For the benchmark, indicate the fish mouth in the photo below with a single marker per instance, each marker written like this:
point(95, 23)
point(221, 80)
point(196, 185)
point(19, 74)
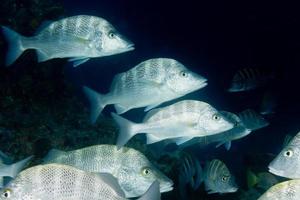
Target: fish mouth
point(231, 190)
point(166, 187)
point(276, 172)
point(130, 47)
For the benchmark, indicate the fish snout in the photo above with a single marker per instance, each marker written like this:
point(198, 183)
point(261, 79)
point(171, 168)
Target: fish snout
point(165, 184)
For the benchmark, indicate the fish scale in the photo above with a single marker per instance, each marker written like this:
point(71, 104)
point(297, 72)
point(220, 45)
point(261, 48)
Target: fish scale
point(78, 38)
point(125, 164)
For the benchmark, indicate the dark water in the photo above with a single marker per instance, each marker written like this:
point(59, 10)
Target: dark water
point(212, 38)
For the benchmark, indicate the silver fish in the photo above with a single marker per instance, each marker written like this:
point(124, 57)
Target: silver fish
point(288, 190)
point(224, 138)
point(250, 78)
point(133, 170)
point(148, 84)
point(287, 162)
point(79, 37)
point(218, 179)
point(62, 182)
point(185, 119)
point(10, 169)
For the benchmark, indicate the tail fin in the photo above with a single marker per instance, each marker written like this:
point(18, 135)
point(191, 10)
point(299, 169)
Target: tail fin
point(96, 103)
point(126, 129)
point(52, 155)
point(15, 48)
point(13, 169)
point(152, 193)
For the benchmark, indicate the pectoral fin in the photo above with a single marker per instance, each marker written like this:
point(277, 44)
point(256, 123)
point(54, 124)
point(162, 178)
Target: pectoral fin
point(78, 61)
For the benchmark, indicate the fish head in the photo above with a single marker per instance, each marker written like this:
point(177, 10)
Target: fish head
point(225, 182)
point(287, 164)
point(15, 189)
point(212, 121)
point(138, 173)
point(112, 42)
point(182, 80)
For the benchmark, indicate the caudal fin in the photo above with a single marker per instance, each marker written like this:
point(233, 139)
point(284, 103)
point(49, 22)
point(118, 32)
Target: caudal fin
point(13, 169)
point(126, 129)
point(96, 103)
point(152, 193)
point(15, 48)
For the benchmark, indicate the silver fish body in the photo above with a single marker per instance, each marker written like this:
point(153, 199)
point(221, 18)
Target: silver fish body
point(78, 37)
point(287, 162)
point(132, 169)
point(185, 119)
point(62, 182)
point(288, 190)
point(224, 138)
point(148, 84)
point(218, 179)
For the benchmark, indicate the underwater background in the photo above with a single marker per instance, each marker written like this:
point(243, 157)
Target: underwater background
point(42, 105)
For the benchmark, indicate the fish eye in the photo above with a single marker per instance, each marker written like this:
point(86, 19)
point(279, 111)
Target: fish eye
point(224, 178)
point(111, 35)
point(146, 171)
point(6, 193)
point(183, 74)
point(288, 153)
point(216, 117)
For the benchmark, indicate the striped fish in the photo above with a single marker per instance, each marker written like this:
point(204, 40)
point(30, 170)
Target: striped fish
point(218, 179)
point(62, 182)
point(252, 120)
point(182, 120)
point(249, 78)
point(150, 84)
point(133, 170)
point(78, 38)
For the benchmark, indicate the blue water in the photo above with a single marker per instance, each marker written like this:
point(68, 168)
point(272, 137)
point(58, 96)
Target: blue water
point(212, 38)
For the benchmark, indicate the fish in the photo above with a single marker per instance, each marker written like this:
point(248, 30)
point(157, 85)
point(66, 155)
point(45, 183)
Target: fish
point(149, 84)
point(250, 78)
point(287, 162)
point(287, 190)
point(63, 182)
point(10, 169)
point(182, 120)
point(253, 120)
point(263, 180)
point(78, 38)
point(190, 173)
point(134, 172)
point(218, 179)
point(224, 138)
point(269, 103)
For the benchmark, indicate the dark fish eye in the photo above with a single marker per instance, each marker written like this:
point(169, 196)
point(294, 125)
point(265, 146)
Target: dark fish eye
point(111, 35)
point(6, 193)
point(146, 171)
point(288, 153)
point(216, 117)
point(224, 178)
point(183, 74)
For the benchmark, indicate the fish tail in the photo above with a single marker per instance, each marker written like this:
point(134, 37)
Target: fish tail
point(152, 193)
point(13, 169)
point(15, 47)
point(97, 103)
point(127, 129)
